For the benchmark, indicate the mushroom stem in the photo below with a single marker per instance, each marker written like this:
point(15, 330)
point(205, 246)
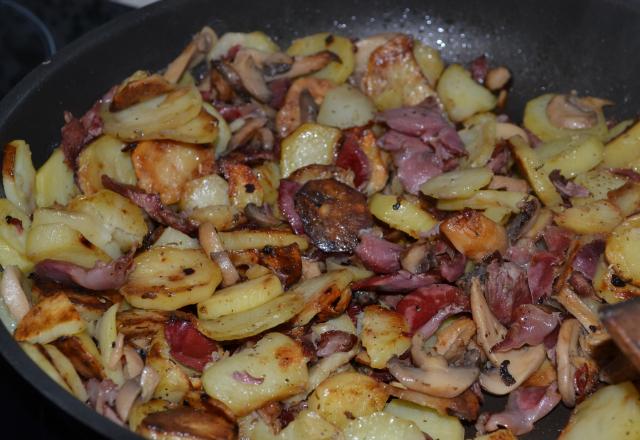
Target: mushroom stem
point(213, 247)
point(578, 308)
point(566, 348)
point(195, 51)
point(438, 379)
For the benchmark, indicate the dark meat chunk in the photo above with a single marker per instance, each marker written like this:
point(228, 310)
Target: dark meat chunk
point(285, 261)
point(332, 214)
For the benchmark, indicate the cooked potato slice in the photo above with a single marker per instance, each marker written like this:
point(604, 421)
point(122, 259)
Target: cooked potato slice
point(186, 423)
point(626, 198)
point(611, 412)
point(475, 235)
point(393, 77)
point(346, 395)
point(203, 129)
point(268, 174)
point(336, 71)
point(54, 182)
point(83, 354)
point(244, 186)
point(479, 137)
point(274, 369)
point(19, 176)
point(486, 199)
point(106, 334)
point(164, 167)
point(402, 214)
point(224, 132)
point(385, 334)
point(104, 156)
point(345, 107)
point(175, 238)
point(308, 144)
point(427, 419)
point(605, 289)
point(51, 318)
point(67, 372)
point(241, 297)
point(14, 228)
point(33, 351)
point(537, 121)
point(600, 216)
point(461, 95)
point(252, 40)
point(241, 240)
point(211, 190)
point(145, 119)
point(323, 293)
point(253, 321)
point(622, 250)
point(174, 382)
point(580, 155)
point(530, 164)
point(624, 150)
point(457, 184)
point(221, 216)
point(311, 426)
point(500, 434)
point(123, 219)
point(600, 182)
point(429, 60)
point(382, 425)
point(140, 410)
point(168, 278)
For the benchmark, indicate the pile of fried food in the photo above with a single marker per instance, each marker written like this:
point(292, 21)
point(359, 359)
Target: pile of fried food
point(344, 240)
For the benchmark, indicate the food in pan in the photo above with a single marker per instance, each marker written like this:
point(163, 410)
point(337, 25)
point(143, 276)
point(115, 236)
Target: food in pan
point(347, 239)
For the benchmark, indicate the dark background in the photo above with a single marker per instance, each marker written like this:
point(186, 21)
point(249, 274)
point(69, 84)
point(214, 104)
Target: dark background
point(24, 412)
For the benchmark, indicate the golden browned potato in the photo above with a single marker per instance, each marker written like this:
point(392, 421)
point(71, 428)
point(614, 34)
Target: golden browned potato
point(385, 334)
point(288, 117)
point(138, 88)
point(48, 320)
point(475, 235)
point(622, 250)
point(164, 167)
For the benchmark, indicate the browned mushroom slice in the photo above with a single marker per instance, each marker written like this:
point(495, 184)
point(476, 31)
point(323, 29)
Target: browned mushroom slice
point(288, 117)
point(251, 76)
point(187, 424)
point(569, 111)
point(285, 261)
point(306, 65)
point(332, 214)
point(139, 90)
point(195, 52)
point(316, 171)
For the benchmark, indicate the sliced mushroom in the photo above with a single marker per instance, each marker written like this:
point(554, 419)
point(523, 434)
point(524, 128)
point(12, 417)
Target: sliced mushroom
point(435, 377)
point(251, 76)
point(246, 132)
point(452, 341)
point(574, 305)
point(305, 65)
point(566, 348)
point(414, 258)
point(13, 294)
point(364, 49)
point(506, 130)
point(465, 406)
point(188, 424)
point(497, 78)
point(191, 55)
point(511, 368)
point(288, 117)
point(571, 112)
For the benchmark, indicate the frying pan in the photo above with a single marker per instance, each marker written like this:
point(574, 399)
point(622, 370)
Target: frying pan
point(550, 45)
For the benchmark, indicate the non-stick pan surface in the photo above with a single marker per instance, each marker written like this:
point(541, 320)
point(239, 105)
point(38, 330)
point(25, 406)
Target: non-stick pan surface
point(550, 45)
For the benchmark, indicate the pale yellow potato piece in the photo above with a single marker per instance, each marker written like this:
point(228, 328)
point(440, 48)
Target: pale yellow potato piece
point(346, 395)
point(536, 120)
point(427, 419)
point(252, 40)
point(530, 164)
point(612, 412)
point(385, 334)
point(461, 95)
point(599, 182)
point(277, 362)
point(310, 426)
point(104, 156)
point(336, 71)
point(205, 191)
point(626, 198)
point(479, 138)
point(268, 174)
point(41, 361)
point(241, 240)
point(106, 334)
point(202, 129)
point(244, 186)
point(624, 150)
point(622, 250)
point(174, 382)
point(604, 287)
point(51, 318)
point(221, 216)
point(382, 425)
point(429, 60)
point(168, 278)
point(13, 237)
point(461, 183)
point(345, 107)
point(598, 217)
point(319, 292)
point(241, 297)
point(253, 321)
point(19, 176)
point(175, 238)
point(577, 158)
point(55, 182)
point(401, 214)
point(224, 132)
point(67, 372)
point(498, 214)
point(308, 144)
